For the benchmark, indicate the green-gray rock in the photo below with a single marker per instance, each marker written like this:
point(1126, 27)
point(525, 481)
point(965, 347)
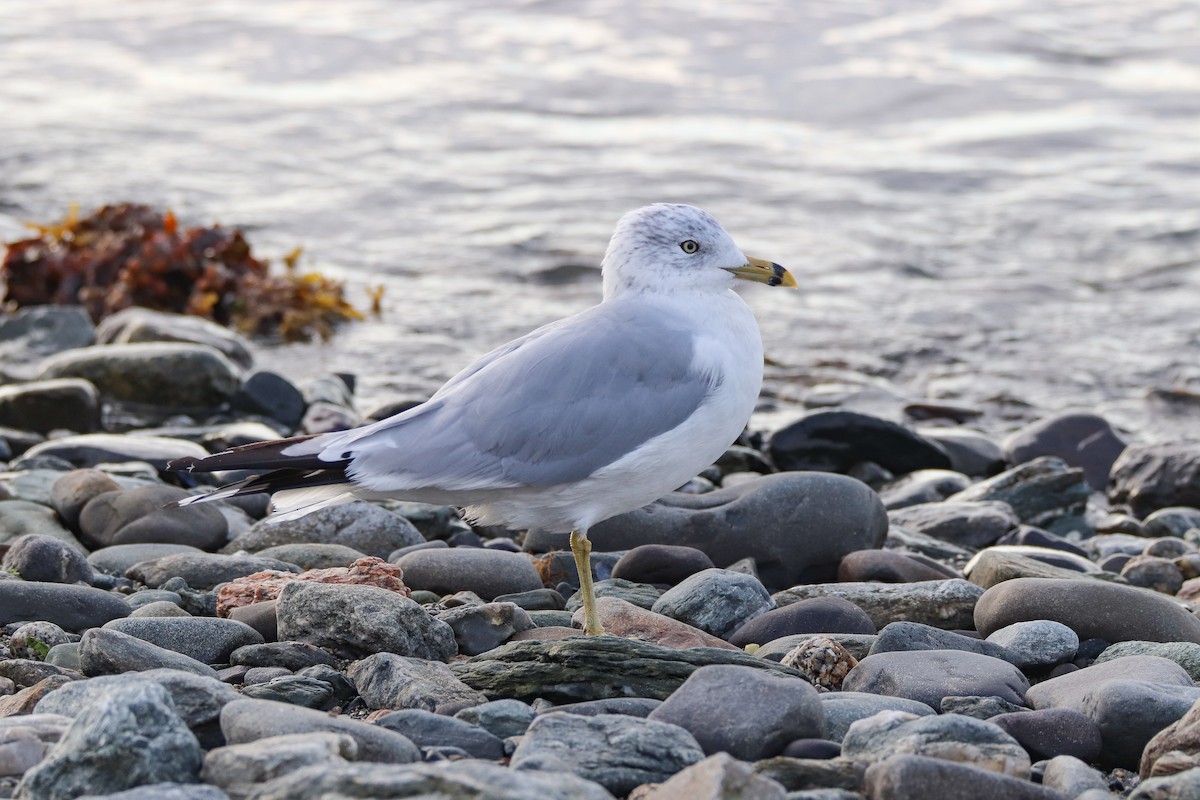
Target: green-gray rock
point(593, 668)
point(1185, 654)
point(185, 376)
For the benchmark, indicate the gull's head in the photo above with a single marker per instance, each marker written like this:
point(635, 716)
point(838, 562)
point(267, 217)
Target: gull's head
point(677, 248)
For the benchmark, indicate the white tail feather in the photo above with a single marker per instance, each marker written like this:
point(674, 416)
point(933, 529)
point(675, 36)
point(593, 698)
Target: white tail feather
point(291, 504)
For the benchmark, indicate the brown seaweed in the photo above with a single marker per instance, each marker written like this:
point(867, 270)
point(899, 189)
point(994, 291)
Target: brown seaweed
point(134, 255)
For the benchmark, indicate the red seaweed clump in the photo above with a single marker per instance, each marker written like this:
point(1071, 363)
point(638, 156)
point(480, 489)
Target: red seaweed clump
point(133, 255)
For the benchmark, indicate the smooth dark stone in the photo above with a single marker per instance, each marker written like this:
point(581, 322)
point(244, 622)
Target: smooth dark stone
point(108, 652)
point(89, 449)
point(1093, 609)
point(208, 640)
point(812, 748)
point(795, 525)
point(37, 557)
point(72, 607)
point(137, 324)
point(1036, 537)
point(1081, 440)
point(927, 676)
point(661, 563)
point(818, 615)
point(834, 441)
point(427, 729)
point(184, 377)
point(1053, 732)
point(890, 566)
point(267, 393)
point(294, 656)
point(909, 636)
point(135, 516)
point(535, 600)
point(44, 406)
point(968, 524)
point(1153, 476)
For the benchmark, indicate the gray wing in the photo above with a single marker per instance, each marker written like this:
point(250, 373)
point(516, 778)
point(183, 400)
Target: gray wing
point(551, 408)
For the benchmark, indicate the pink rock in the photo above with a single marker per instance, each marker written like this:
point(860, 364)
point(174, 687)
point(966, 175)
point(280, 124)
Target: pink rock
point(266, 585)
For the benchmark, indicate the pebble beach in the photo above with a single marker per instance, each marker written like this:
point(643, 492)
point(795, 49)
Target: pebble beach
point(843, 607)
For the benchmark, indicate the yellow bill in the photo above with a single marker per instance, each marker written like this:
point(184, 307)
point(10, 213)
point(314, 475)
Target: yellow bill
point(760, 271)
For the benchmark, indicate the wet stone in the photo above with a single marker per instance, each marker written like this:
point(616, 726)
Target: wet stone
point(1086, 441)
point(45, 406)
point(834, 441)
point(178, 376)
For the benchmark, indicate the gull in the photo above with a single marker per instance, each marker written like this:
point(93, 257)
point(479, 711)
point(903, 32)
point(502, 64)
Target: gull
point(585, 418)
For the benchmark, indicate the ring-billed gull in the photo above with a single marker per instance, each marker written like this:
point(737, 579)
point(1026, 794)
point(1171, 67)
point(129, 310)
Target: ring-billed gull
point(583, 419)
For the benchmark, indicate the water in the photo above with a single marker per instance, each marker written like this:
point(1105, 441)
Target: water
point(987, 203)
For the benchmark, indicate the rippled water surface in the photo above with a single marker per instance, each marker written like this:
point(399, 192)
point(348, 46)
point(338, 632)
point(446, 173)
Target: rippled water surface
point(988, 203)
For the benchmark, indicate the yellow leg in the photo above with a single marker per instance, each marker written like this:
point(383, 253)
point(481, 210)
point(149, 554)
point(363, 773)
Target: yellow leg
point(581, 548)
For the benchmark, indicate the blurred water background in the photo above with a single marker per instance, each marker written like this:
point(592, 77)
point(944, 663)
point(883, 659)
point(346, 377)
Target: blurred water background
point(988, 203)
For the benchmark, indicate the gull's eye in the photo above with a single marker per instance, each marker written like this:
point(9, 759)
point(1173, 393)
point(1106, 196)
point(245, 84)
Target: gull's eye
point(689, 246)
